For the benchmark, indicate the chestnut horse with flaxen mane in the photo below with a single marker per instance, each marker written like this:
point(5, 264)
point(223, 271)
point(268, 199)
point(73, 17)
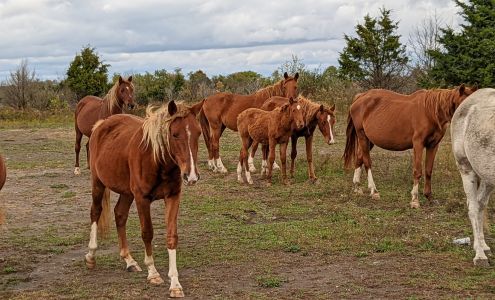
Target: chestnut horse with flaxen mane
point(314, 115)
point(220, 111)
point(399, 122)
point(90, 109)
point(269, 128)
point(154, 157)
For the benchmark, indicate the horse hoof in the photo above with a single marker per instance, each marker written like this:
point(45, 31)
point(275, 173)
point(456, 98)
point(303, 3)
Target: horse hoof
point(268, 184)
point(314, 180)
point(276, 167)
point(286, 182)
point(415, 204)
point(488, 252)
point(375, 196)
point(90, 262)
point(157, 280)
point(77, 171)
point(481, 262)
point(250, 182)
point(222, 171)
point(176, 293)
point(252, 169)
point(133, 268)
point(358, 191)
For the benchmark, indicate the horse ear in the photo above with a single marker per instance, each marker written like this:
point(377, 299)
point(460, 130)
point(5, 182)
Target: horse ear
point(332, 108)
point(291, 100)
point(322, 108)
point(296, 76)
point(462, 88)
point(172, 108)
point(130, 78)
point(197, 107)
point(286, 75)
point(120, 79)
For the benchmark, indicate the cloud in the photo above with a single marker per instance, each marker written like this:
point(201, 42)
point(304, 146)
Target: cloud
point(216, 36)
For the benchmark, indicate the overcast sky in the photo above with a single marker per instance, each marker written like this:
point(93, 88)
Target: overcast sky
point(218, 37)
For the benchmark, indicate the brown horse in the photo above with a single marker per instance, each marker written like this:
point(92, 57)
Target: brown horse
point(143, 160)
point(314, 115)
point(220, 111)
point(269, 128)
point(3, 172)
point(399, 122)
point(90, 109)
point(3, 176)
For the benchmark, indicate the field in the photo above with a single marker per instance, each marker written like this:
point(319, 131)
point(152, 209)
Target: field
point(236, 241)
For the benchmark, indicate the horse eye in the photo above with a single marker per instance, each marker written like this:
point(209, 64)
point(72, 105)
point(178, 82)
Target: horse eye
point(175, 135)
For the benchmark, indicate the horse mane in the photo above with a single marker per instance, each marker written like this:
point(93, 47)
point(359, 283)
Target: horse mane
point(309, 108)
point(156, 128)
point(439, 101)
point(271, 90)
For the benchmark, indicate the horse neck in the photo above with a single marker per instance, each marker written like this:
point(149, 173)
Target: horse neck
point(285, 123)
point(262, 95)
point(440, 106)
point(107, 111)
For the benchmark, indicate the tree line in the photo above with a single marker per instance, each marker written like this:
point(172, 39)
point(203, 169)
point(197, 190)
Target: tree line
point(374, 57)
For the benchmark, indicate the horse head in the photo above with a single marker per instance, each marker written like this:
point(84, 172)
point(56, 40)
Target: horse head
point(125, 93)
point(183, 141)
point(295, 112)
point(326, 121)
point(461, 93)
point(289, 86)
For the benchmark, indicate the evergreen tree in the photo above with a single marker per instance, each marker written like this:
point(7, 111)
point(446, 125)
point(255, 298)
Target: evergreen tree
point(468, 56)
point(87, 74)
point(375, 58)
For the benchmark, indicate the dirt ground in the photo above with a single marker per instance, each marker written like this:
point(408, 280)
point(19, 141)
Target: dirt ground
point(236, 241)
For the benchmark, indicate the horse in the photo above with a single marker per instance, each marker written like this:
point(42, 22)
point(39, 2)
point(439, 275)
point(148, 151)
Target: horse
point(3, 172)
point(90, 109)
point(3, 177)
point(220, 111)
point(269, 128)
point(399, 122)
point(473, 144)
point(314, 115)
point(143, 160)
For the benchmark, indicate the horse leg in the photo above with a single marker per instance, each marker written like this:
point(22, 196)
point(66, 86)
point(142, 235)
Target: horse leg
point(143, 208)
point(98, 189)
point(283, 160)
point(430, 157)
point(364, 144)
point(172, 210)
point(271, 159)
point(484, 192)
point(309, 158)
point(417, 159)
point(87, 153)
point(293, 154)
point(264, 164)
point(216, 134)
point(254, 147)
point(358, 169)
point(245, 154)
point(77, 149)
point(214, 140)
point(121, 211)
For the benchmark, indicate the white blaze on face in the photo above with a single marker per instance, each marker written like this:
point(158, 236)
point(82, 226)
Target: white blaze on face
point(330, 130)
point(298, 107)
point(192, 176)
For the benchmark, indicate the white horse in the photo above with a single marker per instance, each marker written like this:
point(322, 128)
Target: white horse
point(473, 143)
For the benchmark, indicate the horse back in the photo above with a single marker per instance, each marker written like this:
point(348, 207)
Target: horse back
point(274, 102)
point(88, 113)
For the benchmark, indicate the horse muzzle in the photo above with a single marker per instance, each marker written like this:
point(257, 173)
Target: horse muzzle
point(131, 105)
point(190, 179)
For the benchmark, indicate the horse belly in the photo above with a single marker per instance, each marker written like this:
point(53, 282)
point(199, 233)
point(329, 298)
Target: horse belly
point(87, 117)
point(393, 138)
point(258, 133)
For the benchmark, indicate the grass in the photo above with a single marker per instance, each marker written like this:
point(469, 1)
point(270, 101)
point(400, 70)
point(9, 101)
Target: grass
point(238, 241)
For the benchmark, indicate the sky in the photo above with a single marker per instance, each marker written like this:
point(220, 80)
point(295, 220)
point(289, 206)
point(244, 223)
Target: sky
point(218, 37)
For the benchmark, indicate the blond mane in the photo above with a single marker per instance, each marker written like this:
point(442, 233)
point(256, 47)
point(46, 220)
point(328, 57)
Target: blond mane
point(156, 128)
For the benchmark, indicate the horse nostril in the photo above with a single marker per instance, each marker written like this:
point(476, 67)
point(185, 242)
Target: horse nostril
point(184, 176)
point(130, 106)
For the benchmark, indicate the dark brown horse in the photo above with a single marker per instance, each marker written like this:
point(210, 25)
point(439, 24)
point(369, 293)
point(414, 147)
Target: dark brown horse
point(3, 176)
point(314, 115)
point(269, 128)
point(399, 122)
point(90, 109)
point(220, 111)
point(143, 160)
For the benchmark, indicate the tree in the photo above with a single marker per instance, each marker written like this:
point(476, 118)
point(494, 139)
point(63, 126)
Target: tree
point(87, 74)
point(20, 86)
point(467, 56)
point(375, 58)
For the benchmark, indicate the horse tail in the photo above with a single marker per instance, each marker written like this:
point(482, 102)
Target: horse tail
point(205, 127)
point(351, 142)
point(104, 221)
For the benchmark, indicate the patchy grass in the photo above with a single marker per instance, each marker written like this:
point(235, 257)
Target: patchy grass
point(243, 242)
